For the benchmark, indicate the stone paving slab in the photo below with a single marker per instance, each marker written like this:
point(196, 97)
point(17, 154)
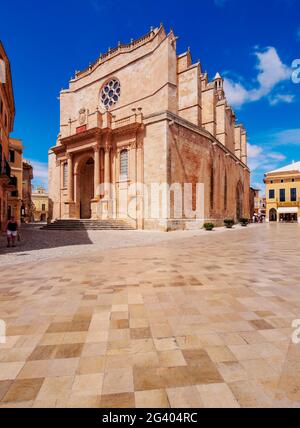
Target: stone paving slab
point(198, 322)
point(37, 244)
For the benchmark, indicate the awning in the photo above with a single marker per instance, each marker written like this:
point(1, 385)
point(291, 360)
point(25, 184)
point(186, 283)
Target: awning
point(288, 210)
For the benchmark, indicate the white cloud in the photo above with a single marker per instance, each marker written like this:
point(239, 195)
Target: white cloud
point(235, 92)
point(276, 99)
point(261, 161)
point(284, 138)
point(254, 151)
point(40, 172)
point(271, 72)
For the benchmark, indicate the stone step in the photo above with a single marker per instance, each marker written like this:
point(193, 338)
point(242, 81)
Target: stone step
point(84, 225)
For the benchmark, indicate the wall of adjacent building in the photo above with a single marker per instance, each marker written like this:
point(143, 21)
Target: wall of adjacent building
point(15, 199)
point(7, 114)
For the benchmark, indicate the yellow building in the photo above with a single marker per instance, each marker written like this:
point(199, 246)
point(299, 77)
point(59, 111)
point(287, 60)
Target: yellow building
point(283, 193)
point(40, 204)
point(15, 162)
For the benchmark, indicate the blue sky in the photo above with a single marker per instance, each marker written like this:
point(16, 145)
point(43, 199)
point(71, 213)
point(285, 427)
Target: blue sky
point(251, 43)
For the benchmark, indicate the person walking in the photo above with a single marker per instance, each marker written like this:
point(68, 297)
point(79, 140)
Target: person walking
point(12, 230)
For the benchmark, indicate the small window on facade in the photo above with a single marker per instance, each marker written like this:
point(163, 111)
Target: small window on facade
point(12, 156)
point(43, 207)
point(281, 181)
point(271, 181)
point(282, 195)
point(293, 195)
point(65, 174)
point(124, 165)
point(293, 180)
point(272, 194)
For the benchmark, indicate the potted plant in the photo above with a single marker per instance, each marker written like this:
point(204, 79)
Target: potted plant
point(229, 222)
point(244, 222)
point(209, 226)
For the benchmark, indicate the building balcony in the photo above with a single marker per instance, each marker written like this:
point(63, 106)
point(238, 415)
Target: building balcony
point(5, 172)
point(287, 204)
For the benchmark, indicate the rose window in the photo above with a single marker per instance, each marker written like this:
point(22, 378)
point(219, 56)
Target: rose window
point(110, 93)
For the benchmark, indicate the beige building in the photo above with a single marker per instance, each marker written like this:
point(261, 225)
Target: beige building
point(40, 204)
point(27, 206)
point(283, 194)
point(16, 165)
point(143, 118)
point(257, 205)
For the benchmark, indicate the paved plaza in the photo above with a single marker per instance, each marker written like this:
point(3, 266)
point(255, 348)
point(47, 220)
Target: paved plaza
point(195, 319)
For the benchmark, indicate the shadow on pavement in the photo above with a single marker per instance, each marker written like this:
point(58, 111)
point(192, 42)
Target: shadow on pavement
point(33, 238)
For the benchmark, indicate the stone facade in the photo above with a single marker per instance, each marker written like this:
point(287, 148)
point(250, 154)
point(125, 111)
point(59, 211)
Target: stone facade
point(142, 116)
point(7, 116)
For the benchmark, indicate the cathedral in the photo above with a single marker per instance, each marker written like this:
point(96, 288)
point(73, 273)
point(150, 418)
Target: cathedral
point(139, 128)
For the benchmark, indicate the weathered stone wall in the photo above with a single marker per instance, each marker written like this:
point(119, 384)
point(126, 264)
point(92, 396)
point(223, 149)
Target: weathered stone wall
point(192, 159)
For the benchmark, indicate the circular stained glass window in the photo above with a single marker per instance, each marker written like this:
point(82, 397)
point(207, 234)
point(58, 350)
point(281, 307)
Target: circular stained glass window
point(110, 93)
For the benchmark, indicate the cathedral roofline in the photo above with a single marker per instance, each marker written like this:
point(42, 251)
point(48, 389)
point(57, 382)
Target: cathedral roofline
point(122, 48)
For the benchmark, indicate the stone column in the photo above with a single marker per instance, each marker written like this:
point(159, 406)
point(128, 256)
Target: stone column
point(102, 170)
point(96, 172)
point(107, 173)
point(140, 180)
point(70, 178)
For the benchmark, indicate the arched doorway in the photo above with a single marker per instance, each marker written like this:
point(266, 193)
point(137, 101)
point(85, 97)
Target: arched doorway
point(86, 188)
point(273, 215)
point(239, 201)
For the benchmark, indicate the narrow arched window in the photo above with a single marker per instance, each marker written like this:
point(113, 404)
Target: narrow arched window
point(225, 192)
point(212, 187)
point(65, 175)
point(124, 165)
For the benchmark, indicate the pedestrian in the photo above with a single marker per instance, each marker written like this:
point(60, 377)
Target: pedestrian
point(12, 230)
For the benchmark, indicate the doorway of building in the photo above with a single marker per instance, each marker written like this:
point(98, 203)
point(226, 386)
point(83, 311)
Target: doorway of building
point(273, 215)
point(86, 189)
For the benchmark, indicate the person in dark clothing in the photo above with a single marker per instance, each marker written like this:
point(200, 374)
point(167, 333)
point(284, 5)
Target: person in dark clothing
point(11, 232)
